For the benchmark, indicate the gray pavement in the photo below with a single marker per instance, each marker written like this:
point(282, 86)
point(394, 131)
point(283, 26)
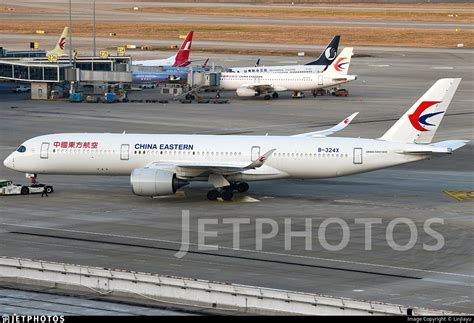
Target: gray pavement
point(97, 221)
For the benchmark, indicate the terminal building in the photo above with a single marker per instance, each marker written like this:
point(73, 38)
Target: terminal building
point(96, 76)
point(44, 75)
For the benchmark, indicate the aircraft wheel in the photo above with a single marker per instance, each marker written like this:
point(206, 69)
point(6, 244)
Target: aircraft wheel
point(243, 187)
point(267, 97)
point(227, 195)
point(212, 195)
point(275, 95)
point(24, 190)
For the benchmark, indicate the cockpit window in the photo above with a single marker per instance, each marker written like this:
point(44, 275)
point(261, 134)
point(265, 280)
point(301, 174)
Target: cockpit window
point(21, 149)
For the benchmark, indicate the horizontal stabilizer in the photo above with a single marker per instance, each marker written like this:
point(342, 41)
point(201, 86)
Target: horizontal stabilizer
point(451, 144)
point(443, 147)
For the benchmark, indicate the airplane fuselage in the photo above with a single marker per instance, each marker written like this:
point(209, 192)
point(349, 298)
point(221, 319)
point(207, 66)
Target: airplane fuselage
point(280, 69)
point(283, 81)
point(294, 157)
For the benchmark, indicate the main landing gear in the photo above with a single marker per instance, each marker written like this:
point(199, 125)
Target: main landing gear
point(227, 192)
point(269, 96)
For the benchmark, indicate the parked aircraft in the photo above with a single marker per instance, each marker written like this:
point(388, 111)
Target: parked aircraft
point(269, 83)
point(159, 164)
point(166, 73)
point(180, 59)
point(319, 65)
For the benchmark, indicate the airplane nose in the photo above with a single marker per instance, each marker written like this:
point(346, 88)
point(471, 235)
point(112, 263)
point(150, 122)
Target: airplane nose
point(8, 162)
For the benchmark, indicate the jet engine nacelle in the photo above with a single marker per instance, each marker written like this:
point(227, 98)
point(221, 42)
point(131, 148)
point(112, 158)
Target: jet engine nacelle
point(154, 182)
point(243, 91)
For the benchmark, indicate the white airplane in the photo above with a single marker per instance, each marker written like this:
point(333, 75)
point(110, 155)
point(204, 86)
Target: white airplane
point(320, 64)
point(269, 83)
point(180, 59)
point(58, 50)
point(159, 164)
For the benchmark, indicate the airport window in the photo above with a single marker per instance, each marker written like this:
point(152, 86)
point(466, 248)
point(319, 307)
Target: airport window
point(36, 73)
point(84, 66)
point(6, 70)
point(21, 72)
point(102, 66)
point(50, 73)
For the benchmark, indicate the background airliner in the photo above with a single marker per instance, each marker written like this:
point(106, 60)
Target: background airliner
point(159, 164)
point(167, 73)
point(58, 50)
point(181, 58)
point(319, 65)
point(269, 83)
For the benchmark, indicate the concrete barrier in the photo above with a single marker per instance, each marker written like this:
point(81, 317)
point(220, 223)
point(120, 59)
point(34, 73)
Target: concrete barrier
point(192, 292)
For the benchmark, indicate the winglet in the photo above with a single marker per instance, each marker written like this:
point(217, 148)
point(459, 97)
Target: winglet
point(323, 133)
point(261, 160)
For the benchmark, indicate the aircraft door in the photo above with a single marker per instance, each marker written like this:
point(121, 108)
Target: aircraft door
point(255, 153)
point(320, 79)
point(124, 152)
point(44, 150)
point(357, 155)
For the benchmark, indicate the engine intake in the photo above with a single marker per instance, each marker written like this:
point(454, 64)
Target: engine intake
point(154, 182)
point(246, 92)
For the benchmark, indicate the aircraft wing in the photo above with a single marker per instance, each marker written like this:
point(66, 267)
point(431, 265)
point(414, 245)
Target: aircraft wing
point(327, 132)
point(190, 169)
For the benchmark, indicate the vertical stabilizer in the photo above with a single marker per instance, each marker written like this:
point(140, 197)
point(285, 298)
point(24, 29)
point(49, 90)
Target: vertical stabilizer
point(420, 122)
point(341, 64)
point(58, 50)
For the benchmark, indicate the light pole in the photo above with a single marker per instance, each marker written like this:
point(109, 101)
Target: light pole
point(70, 34)
point(94, 31)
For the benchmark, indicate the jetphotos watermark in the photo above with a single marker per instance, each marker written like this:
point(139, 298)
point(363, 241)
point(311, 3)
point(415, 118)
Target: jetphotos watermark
point(15, 318)
point(324, 233)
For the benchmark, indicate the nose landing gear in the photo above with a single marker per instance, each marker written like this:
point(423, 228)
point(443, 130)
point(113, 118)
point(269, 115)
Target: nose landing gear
point(32, 177)
point(227, 193)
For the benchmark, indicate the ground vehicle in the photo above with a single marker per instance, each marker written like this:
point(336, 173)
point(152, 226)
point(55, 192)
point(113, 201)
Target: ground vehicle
point(8, 188)
point(22, 88)
point(147, 86)
point(340, 92)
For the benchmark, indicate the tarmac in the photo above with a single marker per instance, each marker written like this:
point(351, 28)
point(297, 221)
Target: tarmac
point(97, 221)
point(121, 11)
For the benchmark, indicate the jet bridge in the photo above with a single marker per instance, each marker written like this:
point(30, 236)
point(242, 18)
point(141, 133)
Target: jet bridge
point(31, 71)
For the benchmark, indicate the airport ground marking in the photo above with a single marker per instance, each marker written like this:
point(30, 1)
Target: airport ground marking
point(462, 196)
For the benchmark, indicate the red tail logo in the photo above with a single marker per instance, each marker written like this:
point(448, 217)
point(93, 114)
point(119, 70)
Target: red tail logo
point(61, 43)
point(416, 119)
point(182, 57)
